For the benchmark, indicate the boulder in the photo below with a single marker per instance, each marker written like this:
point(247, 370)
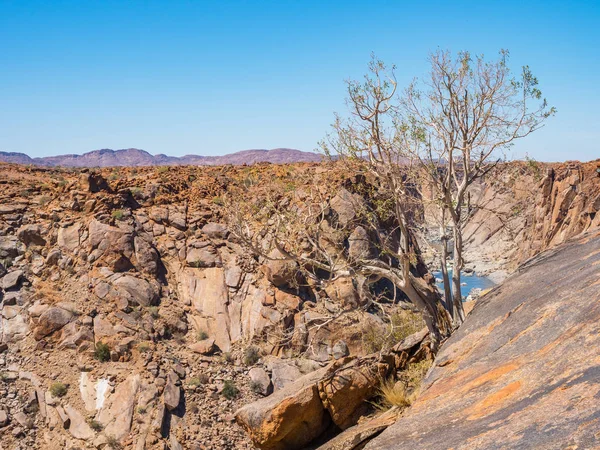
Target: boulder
point(261, 382)
point(289, 418)
point(340, 350)
point(117, 412)
point(12, 280)
point(202, 254)
point(140, 291)
point(51, 320)
point(279, 270)
point(284, 373)
point(146, 256)
point(204, 347)
point(359, 244)
point(31, 234)
point(352, 381)
point(172, 392)
point(3, 418)
point(68, 237)
point(78, 428)
point(215, 230)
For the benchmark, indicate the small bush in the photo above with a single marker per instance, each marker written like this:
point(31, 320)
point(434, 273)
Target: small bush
point(153, 310)
point(251, 355)
point(230, 391)
point(58, 389)
point(141, 410)
point(200, 379)
point(117, 214)
point(102, 352)
point(202, 335)
point(256, 387)
point(228, 358)
point(402, 324)
point(218, 201)
point(163, 169)
point(113, 443)
point(144, 347)
point(393, 393)
point(193, 408)
point(95, 425)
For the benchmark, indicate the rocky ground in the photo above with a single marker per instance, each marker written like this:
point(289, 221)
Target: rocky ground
point(133, 318)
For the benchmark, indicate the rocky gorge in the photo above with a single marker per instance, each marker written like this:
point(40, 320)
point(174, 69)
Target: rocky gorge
point(134, 317)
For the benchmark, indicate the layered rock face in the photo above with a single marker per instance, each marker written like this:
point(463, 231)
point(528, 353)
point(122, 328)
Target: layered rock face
point(524, 369)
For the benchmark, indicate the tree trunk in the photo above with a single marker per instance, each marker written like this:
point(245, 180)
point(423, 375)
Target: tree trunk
point(427, 299)
point(459, 312)
point(447, 287)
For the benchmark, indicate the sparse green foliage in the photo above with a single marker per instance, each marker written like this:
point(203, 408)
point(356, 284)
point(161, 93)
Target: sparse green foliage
point(95, 425)
point(251, 355)
point(256, 387)
point(102, 352)
point(401, 325)
point(230, 391)
point(118, 214)
point(58, 389)
point(153, 310)
point(141, 410)
point(113, 443)
point(217, 200)
point(202, 335)
point(228, 358)
point(144, 347)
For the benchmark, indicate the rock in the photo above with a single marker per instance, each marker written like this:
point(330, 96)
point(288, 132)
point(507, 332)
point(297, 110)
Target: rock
point(287, 419)
point(63, 416)
point(205, 289)
point(68, 237)
point(260, 380)
point(94, 182)
point(355, 437)
point(279, 270)
point(140, 291)
point(51, 320)
point(3, 418)
point(31, 234)
point(204, 347)
point(353, 381)
point(342, 291)
point(524, 361)
point(215, 230)
point(340, 350)
point(78, 428)
point(346, 206)
point(204, 256)
point(359, 244)
point(12, 279)
point(146, 256)
point(117, 412)
point(172, 392)
point(22, 419)
point(284, 373)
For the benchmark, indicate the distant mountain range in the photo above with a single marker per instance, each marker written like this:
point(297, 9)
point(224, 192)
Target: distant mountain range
point(136, 157)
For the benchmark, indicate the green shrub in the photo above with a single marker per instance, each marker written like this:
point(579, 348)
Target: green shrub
point(144, 347)
point(202, 335)
point(58, 389)
point(141, 410)
point(95, 425)
point(102, 352)
point(230, 391)
point(251, 355)
point(256, 387)
point(153, 310)
point(118, 214)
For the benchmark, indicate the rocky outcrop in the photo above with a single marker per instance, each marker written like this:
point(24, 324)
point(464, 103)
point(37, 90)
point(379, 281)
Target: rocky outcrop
point(524, 361)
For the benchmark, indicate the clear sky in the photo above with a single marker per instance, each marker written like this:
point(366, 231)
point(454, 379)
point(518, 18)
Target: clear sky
point(213, 77)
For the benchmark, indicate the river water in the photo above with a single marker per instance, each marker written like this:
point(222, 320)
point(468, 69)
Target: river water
point(469, 282)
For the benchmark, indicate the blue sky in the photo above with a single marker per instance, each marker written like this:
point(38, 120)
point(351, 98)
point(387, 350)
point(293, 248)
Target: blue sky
point(213, 77)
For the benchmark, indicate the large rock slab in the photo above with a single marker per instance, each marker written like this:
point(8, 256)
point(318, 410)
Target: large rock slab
point(117, 412)
point(288, 419)
point(524, 369)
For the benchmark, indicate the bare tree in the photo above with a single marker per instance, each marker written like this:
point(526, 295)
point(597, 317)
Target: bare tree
point(372, 139)
point(462, 119)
